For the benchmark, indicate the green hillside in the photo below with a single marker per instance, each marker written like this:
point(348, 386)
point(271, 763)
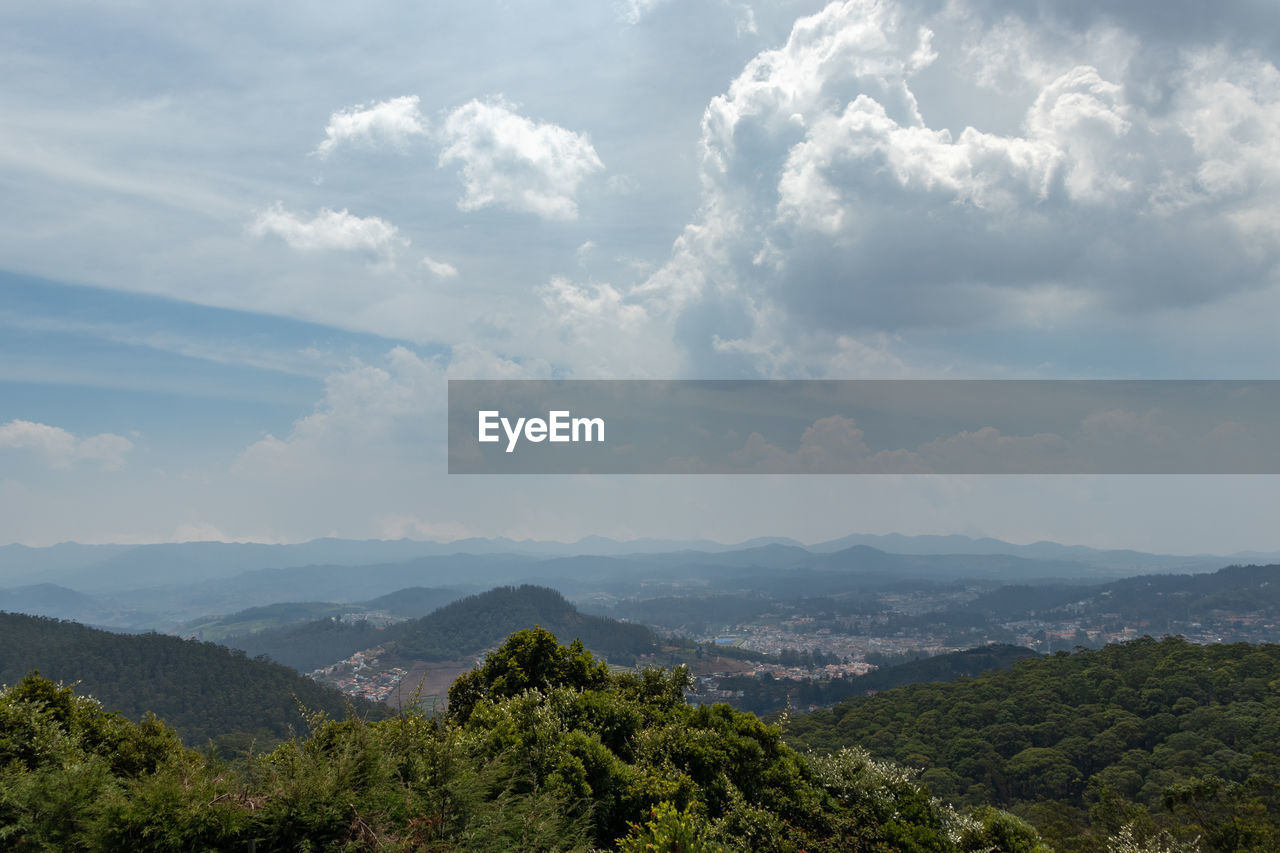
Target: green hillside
point(1166, 735)
point(204, 690)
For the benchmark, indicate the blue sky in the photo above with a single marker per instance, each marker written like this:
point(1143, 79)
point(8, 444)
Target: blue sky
point(243, 246)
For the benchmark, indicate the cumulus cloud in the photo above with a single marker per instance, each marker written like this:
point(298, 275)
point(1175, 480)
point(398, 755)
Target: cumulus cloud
point(376, 421)
point(330, 230)
point(507, 160)
point(394, 123)
point(602, 331)
point(61, 449)
point(840, 202)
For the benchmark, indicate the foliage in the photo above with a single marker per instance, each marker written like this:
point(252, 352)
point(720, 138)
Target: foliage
point(1161, 736)
point(669, 830)
point(553, 753)
point(528, 660)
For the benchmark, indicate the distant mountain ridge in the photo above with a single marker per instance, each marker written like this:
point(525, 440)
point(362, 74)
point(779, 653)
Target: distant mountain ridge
point(166, 587)
point(90, 568)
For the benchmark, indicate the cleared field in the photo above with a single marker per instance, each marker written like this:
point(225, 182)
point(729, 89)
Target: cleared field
point(428, 684)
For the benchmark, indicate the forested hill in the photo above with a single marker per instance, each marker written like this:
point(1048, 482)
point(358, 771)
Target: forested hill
point(485, 620)
point(457, 630)
point(1166, 733)
point(203, 690)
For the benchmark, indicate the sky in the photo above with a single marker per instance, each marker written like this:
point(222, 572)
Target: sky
point(243, 246)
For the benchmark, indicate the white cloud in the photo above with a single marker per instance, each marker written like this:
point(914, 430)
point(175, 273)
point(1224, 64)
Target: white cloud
point(836, 207)
point(394, 123)
point(330, 230)
point(376, 421)
point(367, 411)
point(507, 160)
point(439, 269)
point(603, 332)
point(61, 449)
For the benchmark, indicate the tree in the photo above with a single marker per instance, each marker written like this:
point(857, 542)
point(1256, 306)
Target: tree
point(529, 660)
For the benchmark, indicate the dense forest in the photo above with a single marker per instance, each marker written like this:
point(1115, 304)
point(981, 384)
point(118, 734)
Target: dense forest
point(459, 629)
point(205, 691)
point(543, 749)
point(1157, 735)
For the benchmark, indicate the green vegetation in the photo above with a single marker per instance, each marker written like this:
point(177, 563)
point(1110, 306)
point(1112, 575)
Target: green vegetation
point(205, 691)
point(1149, 737)
point(544, 749)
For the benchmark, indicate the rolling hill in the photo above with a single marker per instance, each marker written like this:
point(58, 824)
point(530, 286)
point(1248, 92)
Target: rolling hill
point(204, 690)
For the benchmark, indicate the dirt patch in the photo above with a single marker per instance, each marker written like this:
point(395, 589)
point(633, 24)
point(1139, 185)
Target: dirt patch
point(430, 681)
point(716, 665)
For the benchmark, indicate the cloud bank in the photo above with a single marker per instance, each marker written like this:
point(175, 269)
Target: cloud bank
point(61, 449)
point(1135, 176)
